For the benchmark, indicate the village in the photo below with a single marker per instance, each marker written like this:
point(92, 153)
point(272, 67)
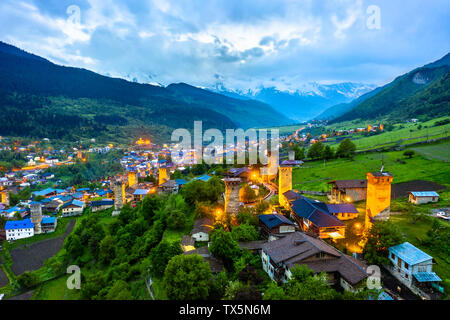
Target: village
point(294, 228)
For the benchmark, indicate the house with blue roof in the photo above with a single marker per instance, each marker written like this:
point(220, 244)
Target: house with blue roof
point(139, 194)
point(413, 267)
point(44, 193)
point(101, 205)
point(19, 229)
point(73, 208)
point(420, 197)
point(315, 217)
point(275, 226)
point(48, 224)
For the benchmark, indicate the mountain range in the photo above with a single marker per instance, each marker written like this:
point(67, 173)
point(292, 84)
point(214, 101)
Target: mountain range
point(42, 99)
point(304, 103)
point(422, 92)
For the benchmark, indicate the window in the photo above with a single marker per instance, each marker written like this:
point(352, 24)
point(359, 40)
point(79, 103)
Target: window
point(392, 256)
point(406, 265)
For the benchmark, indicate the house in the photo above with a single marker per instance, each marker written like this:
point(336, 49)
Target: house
point(275, 226)
point(19, 229)
point(45, 193)
point(420, 197)
point(73, 208)
point(48, 224)
point(140, 194)
point(215, 264)
point(348, 190)
point(314, 217)
point(280, 256)
point(187, 243)
point(170, 186)
point(101, 205)
point(204, 178)
point(414, 268)
point(202, 228)
point(343, 211)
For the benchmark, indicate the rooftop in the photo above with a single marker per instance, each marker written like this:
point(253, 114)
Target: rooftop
point(409, 253)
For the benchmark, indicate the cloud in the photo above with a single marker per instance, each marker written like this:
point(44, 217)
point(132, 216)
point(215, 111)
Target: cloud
point(242, 44)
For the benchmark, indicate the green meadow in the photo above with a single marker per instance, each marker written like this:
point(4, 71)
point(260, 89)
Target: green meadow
point(315, 175)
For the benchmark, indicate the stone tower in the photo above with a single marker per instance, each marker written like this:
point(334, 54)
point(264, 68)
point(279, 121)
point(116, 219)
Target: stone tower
point(284, 182)
point(119, 195)
point(232, 188)
point(36, 216)
point(5, 197)
point(132, 178)
point(378, 200)
point(163, 175)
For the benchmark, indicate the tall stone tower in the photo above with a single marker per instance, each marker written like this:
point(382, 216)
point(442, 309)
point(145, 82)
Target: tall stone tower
point(232, 188)
point(378, 202)
point(132, 178)
point(36, 216)
point(119, 195)
point(163, 175)
point(284, 182)
point(5, 196)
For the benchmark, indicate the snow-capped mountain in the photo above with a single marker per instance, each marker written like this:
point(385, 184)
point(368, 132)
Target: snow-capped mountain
point(303, 103)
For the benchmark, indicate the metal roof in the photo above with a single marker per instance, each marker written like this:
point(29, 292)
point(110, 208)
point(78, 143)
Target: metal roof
point(409, 253)
point(19, 224)
point(426, 276)
point(425, 194)
point(141, 192)
point(273, 220)
point(316, 212)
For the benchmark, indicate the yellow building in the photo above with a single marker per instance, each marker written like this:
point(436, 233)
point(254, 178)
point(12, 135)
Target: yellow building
point(284, 183)
point(163, 175)
point(132, 178)
point(378, 200)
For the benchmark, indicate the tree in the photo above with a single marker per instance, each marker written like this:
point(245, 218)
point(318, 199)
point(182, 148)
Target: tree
point(346, 149)
point(247, 215)
point(223, 245)
point(119, 291)
point(262, 207)
point(27, 279)
point(305, 285)
point(299, 152)
point(73, 246)
point(187, 277)
point(379, 239)
point(160, 256)
point(327, 153)
point(409, 153)
point(176, 220)
point(107, 250)
point(245, 232)
point(248, 194)
point(316, 150)
point(274, 292)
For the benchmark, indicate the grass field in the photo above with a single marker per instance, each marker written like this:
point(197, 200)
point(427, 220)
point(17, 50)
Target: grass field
point(315, 175)
point(410, 133)
point(438, 151)
point(56, 290)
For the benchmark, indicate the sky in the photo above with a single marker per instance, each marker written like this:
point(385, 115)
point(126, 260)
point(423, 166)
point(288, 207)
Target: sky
point(244, 44)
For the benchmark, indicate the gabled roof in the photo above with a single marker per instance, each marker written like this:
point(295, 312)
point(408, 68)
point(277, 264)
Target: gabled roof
point(425, 194)
point(316, 212)
point(141, 192)
point(409, 253)
point(180, 181)
point(103, 202)
point(48, 220)
point(203, 225)
point(43, 192)
point(342, 208)
point(345, 184)
point(74, 202)
point(274, 220)
point(292, 195)
point(294, 249)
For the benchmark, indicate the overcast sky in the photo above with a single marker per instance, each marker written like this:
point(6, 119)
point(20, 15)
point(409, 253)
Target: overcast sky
point(243, 43)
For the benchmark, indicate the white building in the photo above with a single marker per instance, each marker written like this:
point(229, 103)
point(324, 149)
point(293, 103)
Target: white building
point(73, 208)
point(19, 229)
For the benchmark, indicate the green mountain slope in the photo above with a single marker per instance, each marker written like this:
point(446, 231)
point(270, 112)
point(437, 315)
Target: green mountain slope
point(423, 92)
point(41, 99)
